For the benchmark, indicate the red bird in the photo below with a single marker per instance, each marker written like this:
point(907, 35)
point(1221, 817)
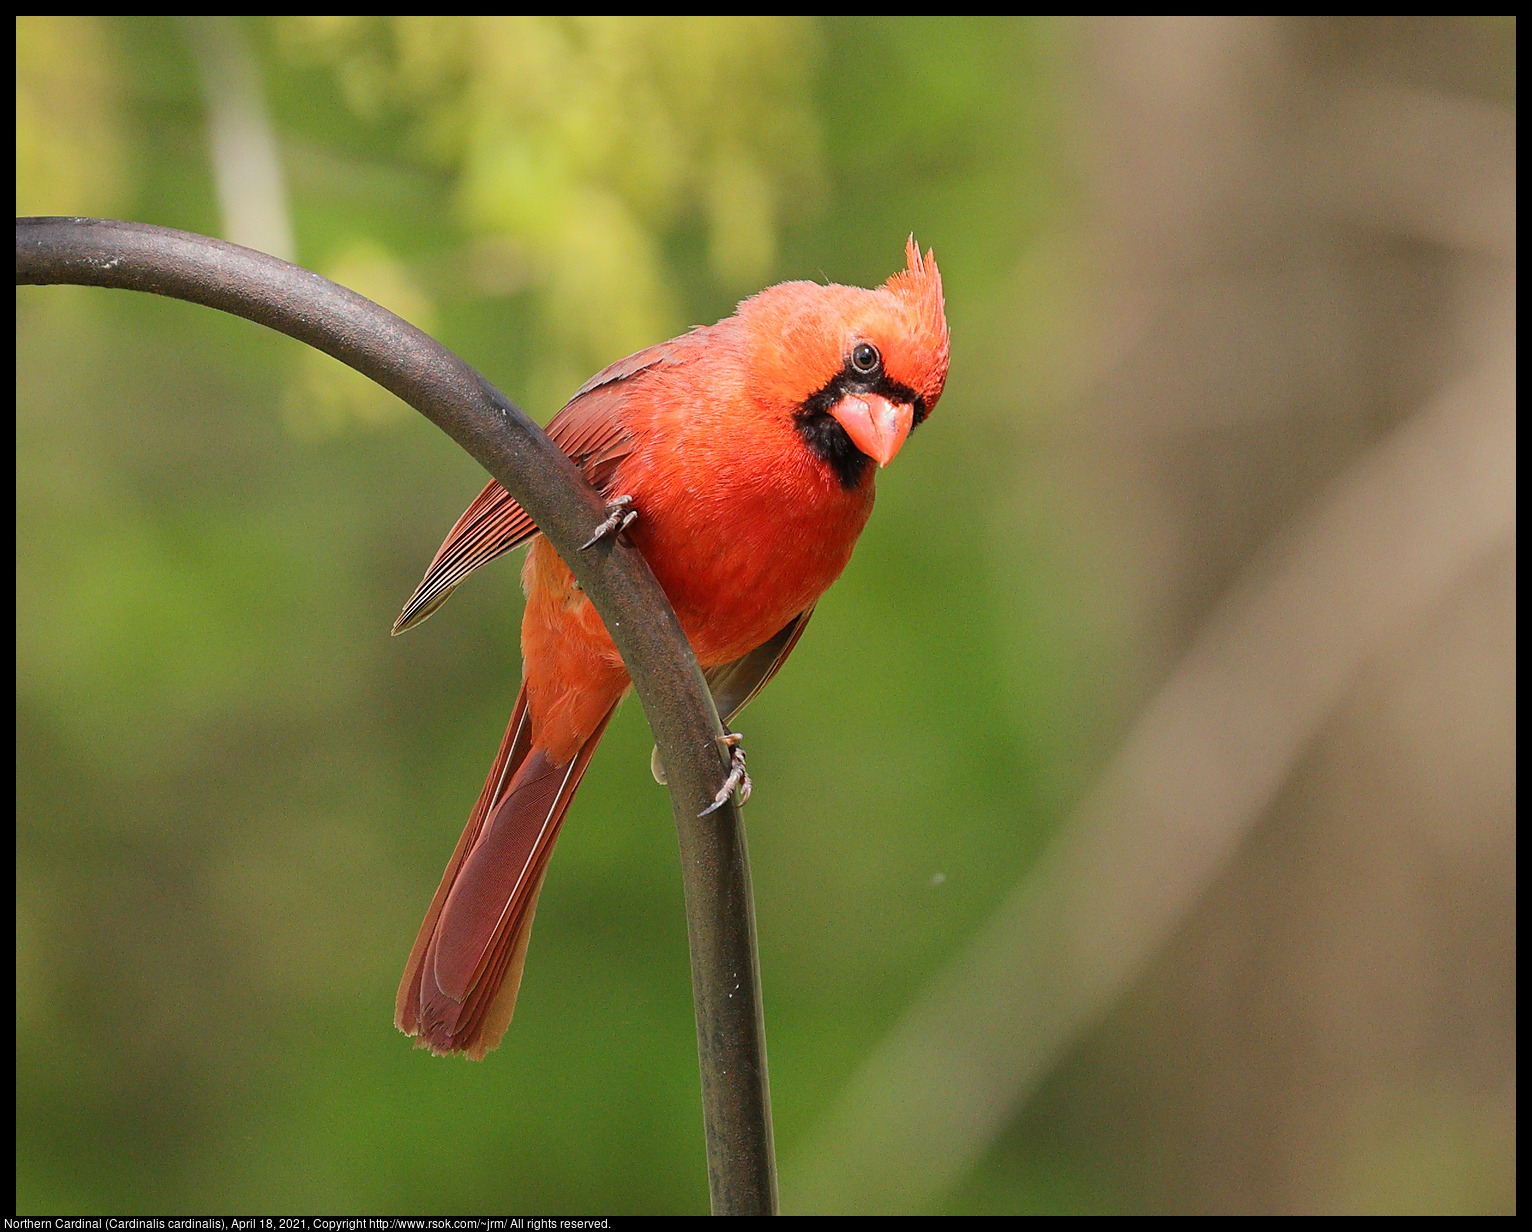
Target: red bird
point(746, 450)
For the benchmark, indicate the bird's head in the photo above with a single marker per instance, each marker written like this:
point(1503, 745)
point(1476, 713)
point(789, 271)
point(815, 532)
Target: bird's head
point(854, 370)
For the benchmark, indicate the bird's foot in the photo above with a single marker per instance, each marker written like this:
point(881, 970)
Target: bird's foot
point(618, 516)
point(737, 776)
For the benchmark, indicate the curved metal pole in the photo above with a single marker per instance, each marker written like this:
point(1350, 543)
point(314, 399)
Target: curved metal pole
point(720, 910)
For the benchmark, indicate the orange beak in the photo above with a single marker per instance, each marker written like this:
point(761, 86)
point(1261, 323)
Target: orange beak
point(875, 425)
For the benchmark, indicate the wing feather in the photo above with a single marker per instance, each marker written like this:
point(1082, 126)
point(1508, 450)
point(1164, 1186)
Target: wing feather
point(591, 429)
point(735, 685)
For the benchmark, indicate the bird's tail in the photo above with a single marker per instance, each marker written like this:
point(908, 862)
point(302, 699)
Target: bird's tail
point(459, 987)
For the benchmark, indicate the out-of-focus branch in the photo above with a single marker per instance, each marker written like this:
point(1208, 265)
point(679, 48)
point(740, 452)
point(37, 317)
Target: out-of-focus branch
point(1203, 760)
point(714, 863)
point(1440, 167)
point(242, 146)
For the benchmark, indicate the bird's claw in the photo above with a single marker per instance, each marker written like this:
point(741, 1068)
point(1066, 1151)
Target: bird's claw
point(737, 776)
point(618, 517)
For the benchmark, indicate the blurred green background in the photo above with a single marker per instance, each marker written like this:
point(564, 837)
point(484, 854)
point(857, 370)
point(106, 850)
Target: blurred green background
point(236, 791)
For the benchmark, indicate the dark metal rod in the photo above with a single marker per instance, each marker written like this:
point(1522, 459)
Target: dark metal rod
point(715, 868)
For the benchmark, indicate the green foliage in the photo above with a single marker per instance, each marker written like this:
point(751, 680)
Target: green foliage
point(237, 792)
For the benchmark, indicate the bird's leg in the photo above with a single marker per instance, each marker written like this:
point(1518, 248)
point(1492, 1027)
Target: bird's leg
point(737, 776)
point(618, 516)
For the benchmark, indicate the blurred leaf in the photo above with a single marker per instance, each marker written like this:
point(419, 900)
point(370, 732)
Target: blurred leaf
point(70, 151)
point(326, 396)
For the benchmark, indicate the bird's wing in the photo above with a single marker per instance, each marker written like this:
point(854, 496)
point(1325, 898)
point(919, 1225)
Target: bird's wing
point(494, 523)
point(734, 685)
point(590, 429)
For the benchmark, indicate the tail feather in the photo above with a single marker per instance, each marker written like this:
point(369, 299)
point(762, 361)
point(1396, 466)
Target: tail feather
point(513, 751)
point(459, 989)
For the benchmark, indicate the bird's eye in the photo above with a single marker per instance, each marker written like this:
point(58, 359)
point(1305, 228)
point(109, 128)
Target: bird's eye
point(865, 357)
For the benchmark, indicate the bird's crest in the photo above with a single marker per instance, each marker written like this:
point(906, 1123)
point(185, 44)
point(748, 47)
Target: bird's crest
point(920, 286)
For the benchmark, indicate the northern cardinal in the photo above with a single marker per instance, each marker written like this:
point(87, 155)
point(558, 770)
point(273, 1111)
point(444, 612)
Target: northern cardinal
point(739, 457)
